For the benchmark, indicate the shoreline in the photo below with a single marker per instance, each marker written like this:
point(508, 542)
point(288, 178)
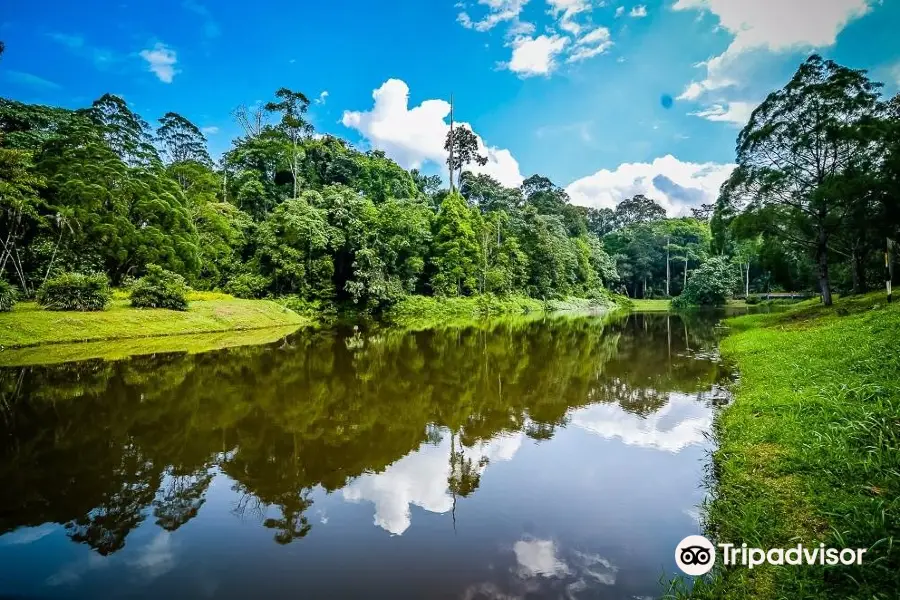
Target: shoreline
point(30, 335)
point(808, 450)
point(29, 326)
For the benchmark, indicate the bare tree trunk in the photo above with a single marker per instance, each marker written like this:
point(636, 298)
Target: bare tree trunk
point(668, 269)
point(685, 275)
point(822, 262)
point(53, 256)
point(747, 288)
point(450, 163)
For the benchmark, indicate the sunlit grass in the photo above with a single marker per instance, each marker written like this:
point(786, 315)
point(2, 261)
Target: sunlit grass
point(651, 305)
point(810, 449)
point(122, 348)
point(28, 324)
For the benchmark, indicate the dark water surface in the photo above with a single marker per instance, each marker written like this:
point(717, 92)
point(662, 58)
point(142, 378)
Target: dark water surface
point(548, 459)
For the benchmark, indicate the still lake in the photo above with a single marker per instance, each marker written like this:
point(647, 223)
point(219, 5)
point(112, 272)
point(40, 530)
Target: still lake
point(554, 458)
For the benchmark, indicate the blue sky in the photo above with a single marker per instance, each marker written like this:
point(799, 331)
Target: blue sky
point(572, 89)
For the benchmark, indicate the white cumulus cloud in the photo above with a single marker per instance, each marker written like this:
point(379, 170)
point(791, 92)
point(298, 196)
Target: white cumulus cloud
point(161, 60)
point(211, 130)
point(566, 10)
point(737, 113)
point(536, 56)
point(638, 12)
point(414, 136)
point(620, 11)
point(773, 25)
point(676, 185)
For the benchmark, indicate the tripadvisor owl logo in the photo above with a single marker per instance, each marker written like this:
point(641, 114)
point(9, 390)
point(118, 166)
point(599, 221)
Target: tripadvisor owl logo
point(695, 555)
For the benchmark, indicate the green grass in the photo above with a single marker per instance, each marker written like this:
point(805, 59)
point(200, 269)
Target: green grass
point(28, 324)
point(651, 305)
point(809, 451)
point(122, 348)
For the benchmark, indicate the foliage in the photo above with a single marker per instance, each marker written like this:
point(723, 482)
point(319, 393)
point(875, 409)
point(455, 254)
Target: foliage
point(710, 285)
point(75, 291)
point(422, 311)
point(8, 296)
point(462, 149)
point(456, 251)
point(789, 183)
point(289, 213)
point(248, 285)
point(160, 289)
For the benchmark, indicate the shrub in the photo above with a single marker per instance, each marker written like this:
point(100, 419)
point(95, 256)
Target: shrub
point(319, 309)
point(160, 289)
point(8, 296)
point(710, 285)
point(247, 286)
point(75, 291)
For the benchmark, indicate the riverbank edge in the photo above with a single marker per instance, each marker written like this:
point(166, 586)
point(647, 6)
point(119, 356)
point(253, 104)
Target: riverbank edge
point(27, 325)
point(809, 451)
point(424, 312)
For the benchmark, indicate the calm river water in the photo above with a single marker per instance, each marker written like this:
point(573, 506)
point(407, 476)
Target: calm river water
point(559, 458)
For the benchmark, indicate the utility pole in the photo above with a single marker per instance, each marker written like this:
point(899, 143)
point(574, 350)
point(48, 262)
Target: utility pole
point(889, 268)
point(450, 164)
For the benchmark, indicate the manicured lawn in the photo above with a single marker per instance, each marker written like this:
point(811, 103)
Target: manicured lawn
point(809, 451)
point(28, 324)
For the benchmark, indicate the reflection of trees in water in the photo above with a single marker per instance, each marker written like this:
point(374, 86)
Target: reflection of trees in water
point(180, 498)
point(93, 444)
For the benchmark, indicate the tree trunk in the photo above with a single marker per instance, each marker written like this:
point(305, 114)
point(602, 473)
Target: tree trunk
point(747, 288)
point(53, 256)
point(668, 270)
point(860, 285)
point(822, 262)
point(685, 275)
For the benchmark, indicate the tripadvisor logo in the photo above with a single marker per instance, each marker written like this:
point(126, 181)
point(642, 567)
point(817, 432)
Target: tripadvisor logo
point(696, 555)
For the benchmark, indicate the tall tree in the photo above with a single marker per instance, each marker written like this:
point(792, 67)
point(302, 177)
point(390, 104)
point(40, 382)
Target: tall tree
point(124, 131)
point(462, 144)
point(638, 209)
point(456, 253)
point(292, 106)
point(181, 140)
point(797, 147)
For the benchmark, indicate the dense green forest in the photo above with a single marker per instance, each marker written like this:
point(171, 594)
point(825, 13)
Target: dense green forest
point(288, 212)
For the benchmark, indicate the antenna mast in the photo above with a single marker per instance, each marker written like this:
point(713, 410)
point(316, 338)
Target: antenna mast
point(450, 164)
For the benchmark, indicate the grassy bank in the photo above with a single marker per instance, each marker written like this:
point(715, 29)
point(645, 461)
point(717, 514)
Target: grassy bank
point(119, 349)
point(423, 311)
point(650, 305)
point(809, 451)
point(28, 324)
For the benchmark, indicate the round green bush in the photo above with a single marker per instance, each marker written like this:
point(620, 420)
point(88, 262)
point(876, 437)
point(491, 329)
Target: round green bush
point(248, 286)
point(8, 296)
point(160, 289)
point(710, 285)
point(75, 291)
